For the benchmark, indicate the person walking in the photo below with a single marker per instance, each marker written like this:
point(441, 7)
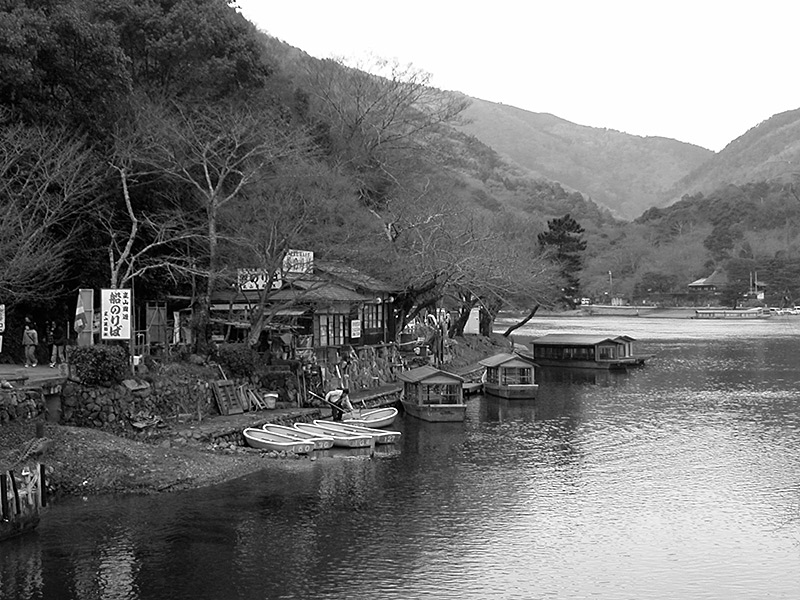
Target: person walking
point(59, 352)
point(30, 339)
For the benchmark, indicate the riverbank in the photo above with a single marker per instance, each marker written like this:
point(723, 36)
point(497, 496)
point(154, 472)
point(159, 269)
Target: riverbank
point(88, 462)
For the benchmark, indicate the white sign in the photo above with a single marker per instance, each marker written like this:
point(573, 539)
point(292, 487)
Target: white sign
point(2, 318)
point(256, 279)
point(355, 329)
point(298, 261)
point(116, 314)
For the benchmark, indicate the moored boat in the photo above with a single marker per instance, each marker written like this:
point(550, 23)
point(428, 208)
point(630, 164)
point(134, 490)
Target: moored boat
point(433, 395)
point(340, 439)
point(381, 436)
point(320, 442)
point(266, 440)
point(586, 351)
point(377, 417)
point(509, 376)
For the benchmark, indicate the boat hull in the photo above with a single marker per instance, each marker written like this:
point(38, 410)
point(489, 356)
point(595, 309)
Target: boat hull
point(379, 417)
point(381, 436)
point(265, 440)
point(592, 364)
point(339, 439)
point(436, 413)
point(320, 442)
point(512, 392)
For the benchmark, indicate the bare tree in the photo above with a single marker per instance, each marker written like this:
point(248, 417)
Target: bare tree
point(47, 182)
point(216, 154)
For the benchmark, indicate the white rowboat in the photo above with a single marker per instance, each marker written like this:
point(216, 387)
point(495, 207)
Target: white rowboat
point(320, 442)
point(377, 417)
point(266, 440)
point(381, 436)
point(341, 439)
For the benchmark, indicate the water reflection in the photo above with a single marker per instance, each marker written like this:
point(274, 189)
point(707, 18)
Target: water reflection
point(679, 480)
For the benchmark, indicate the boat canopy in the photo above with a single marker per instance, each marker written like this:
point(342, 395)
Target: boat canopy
point(575, 339)
point(429, 375)
point(505, 359)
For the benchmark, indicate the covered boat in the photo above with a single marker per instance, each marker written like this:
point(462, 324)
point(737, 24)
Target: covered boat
point(509, 376)
point(266, 440)
point(434, 395)
point(586, 351)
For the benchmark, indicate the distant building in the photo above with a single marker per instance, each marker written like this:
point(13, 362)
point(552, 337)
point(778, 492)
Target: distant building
point(713, 283)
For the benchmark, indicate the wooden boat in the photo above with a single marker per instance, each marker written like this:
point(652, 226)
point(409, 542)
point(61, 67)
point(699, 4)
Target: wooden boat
point(586, 351)
point(509, 376)
point(722, 313)
point(378, 417)
point(433, 395)
point(340, 439)
point(266, 440)
point(320, 442)
point(472, 387)
point(22, 497)
point(381, 436)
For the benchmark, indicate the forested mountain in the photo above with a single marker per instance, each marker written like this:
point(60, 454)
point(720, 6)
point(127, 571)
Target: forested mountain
point(162, 144)
point(625, 173)
point(769, 151)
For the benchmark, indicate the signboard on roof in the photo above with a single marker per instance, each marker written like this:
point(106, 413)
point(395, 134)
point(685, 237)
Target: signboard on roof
point(295, 261)
point(298, 261)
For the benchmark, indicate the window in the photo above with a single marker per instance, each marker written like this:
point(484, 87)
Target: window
point(373, 316)
point(517, 376)
point(332, 330)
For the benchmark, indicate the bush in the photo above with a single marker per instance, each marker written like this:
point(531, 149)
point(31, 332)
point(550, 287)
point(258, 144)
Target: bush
point(237, 360)
point(99, 365)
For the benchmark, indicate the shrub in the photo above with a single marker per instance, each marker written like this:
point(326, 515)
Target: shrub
point(237, 360)
point(99, 365)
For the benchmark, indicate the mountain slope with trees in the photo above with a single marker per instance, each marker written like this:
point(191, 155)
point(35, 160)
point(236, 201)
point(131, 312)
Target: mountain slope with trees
point(770, 151)
point(625, 173)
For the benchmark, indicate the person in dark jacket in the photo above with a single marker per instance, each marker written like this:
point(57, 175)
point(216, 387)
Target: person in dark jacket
point(59, 353)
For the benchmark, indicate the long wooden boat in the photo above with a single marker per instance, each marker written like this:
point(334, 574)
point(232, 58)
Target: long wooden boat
point(722, 313)
point(266, 440)
point(381, 436)
point(509, 376)
point(340, 439)
point(377, 417)
point(433, 395)
point(320, 442)
point(586, 351)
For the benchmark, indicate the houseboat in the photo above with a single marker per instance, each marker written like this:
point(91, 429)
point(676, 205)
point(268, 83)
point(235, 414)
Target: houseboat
point(433, 395)
point(509, 376)
point(585, 351)
point(722, 313)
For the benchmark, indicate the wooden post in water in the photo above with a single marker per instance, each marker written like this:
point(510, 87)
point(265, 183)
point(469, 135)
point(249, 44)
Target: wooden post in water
point(5, 512)
point(16, 491)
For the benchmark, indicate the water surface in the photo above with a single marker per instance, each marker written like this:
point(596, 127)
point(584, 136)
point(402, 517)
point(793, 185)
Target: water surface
point(677, 480)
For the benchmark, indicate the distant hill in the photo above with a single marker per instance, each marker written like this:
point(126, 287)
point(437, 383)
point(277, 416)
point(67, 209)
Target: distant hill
point(768, 152)
point(626, 173)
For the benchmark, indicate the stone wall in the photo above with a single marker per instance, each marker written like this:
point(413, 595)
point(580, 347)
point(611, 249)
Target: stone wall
point(21, 404)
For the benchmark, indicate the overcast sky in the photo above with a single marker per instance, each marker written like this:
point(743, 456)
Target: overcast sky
point(699, 71)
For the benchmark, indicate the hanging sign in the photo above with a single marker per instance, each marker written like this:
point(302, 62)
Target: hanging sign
point(355, 329)
point(116, 314)
point(2, 318)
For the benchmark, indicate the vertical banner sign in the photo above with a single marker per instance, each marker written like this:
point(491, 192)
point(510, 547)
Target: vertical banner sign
point(2, 318)
point(116, 314)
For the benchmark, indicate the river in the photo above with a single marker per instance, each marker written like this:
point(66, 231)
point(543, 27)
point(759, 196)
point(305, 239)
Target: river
point(677, 480)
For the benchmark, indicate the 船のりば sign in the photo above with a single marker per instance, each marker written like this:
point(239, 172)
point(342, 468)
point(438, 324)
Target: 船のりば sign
point(116, 314)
